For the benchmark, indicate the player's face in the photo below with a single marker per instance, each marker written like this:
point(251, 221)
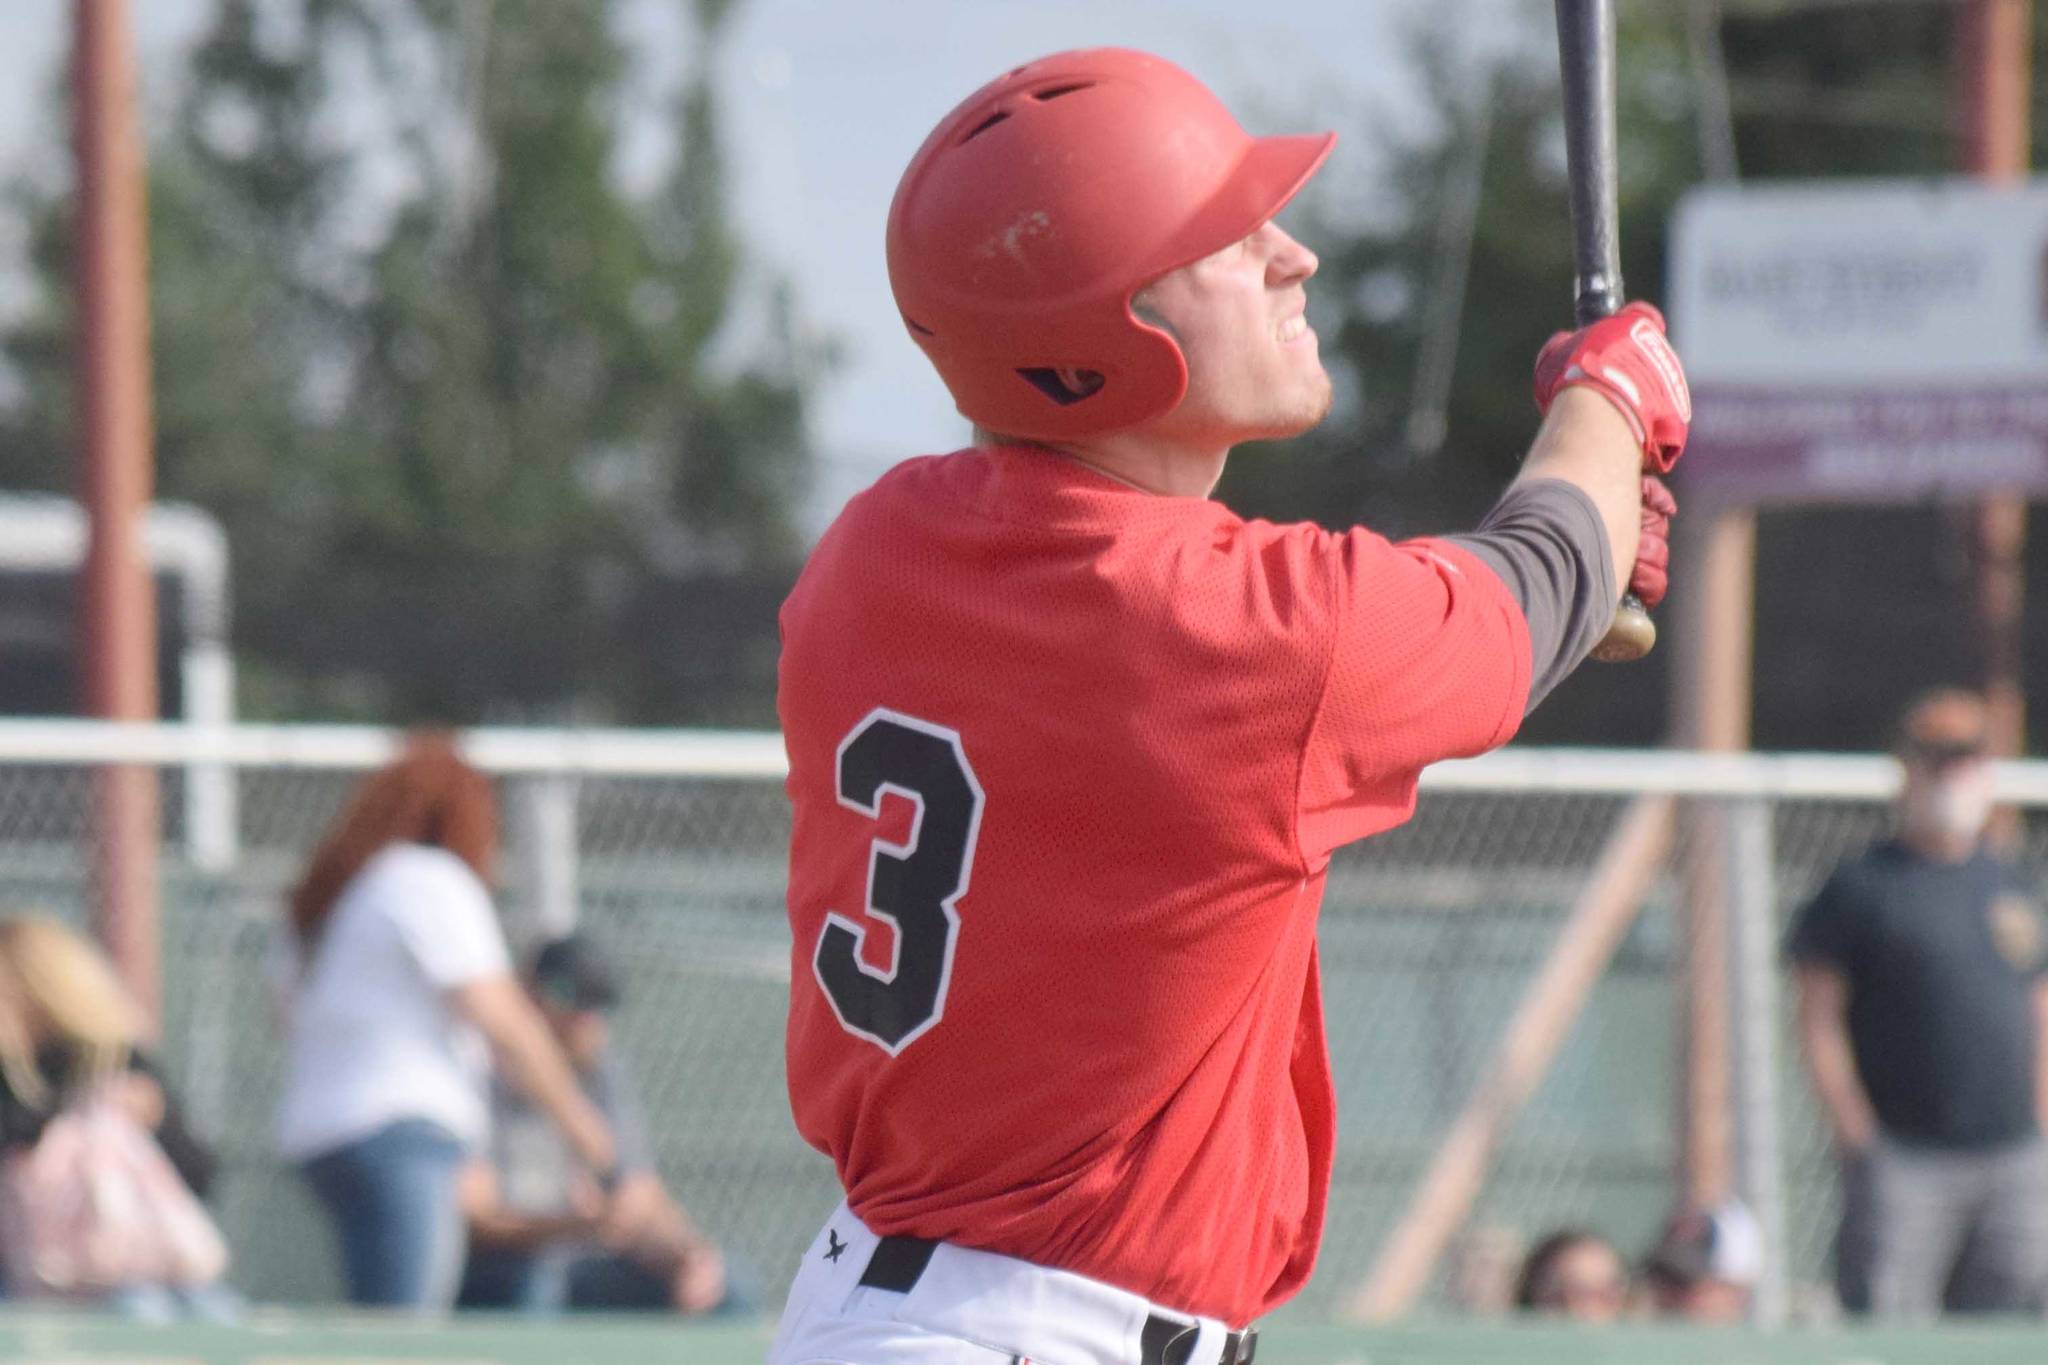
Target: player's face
point(1254, 372)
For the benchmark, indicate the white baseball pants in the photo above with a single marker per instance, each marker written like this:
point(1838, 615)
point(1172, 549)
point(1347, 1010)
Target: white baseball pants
point(965, 1307)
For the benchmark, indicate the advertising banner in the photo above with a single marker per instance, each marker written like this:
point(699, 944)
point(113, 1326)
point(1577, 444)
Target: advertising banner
point(1864, 340)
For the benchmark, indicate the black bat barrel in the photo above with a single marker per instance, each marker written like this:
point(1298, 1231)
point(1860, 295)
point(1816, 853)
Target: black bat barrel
point(1585, 48)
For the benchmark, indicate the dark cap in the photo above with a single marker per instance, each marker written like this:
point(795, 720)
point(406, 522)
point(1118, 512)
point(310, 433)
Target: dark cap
point(570, 973)
point(1947, 725)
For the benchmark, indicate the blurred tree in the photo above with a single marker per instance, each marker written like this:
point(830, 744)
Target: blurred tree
point(467, 390)
point(1845, 90)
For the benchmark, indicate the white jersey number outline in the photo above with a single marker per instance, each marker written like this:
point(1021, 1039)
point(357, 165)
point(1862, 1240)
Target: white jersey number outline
point(914, 885)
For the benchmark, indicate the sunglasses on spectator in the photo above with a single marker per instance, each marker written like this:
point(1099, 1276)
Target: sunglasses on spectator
point(1943, 753)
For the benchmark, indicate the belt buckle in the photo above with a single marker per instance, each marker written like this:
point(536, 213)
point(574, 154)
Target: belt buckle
point(1169, 1341)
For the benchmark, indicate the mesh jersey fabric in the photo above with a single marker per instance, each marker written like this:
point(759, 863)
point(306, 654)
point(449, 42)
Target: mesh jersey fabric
point(1173, 716)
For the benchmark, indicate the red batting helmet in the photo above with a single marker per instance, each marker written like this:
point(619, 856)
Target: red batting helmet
point(1040, 205)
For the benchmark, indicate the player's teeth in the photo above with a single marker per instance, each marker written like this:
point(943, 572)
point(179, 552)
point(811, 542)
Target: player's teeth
point(1293, 327)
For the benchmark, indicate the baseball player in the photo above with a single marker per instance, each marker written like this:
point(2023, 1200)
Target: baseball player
point(1070, 744)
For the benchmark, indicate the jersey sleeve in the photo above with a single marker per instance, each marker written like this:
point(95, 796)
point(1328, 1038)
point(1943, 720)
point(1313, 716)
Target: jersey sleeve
point(444, 917)
point(1429, 660)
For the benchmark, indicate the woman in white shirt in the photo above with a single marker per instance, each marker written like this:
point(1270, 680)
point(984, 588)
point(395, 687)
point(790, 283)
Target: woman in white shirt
point(399, 992)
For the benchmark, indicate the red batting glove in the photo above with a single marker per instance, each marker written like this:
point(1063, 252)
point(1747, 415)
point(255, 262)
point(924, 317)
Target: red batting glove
point(1651, 575)
point(1628, 361)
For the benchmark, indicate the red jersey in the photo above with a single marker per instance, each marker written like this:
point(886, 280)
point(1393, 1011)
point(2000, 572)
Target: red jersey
point(1067, 764)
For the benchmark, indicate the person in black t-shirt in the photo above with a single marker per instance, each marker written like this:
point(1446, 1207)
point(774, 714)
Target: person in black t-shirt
point(1921, 993)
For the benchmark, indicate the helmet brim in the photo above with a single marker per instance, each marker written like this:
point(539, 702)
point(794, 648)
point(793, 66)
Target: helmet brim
point(1273, 171)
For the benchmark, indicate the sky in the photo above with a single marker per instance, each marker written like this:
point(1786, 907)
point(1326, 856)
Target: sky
point(825, 100)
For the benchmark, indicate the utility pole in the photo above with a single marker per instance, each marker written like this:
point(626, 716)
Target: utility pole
point(117, 606)
point(1994, 45)
point(1712, 608)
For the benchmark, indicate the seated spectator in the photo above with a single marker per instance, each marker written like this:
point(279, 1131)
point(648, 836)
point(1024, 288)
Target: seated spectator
point(1705, 1265)
point(70, 1039)
point(1575, 1274)
point(540, 1237)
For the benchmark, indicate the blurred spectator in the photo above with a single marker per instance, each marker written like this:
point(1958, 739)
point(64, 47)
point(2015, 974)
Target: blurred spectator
point(1576, 1274)
point(397, 989)
point(540, 1238)
point(1919, 977)
point(1705, 1265)
point(72, 1076)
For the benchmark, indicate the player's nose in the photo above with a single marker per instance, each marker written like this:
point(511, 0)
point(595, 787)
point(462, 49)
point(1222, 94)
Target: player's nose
point(1288, 261)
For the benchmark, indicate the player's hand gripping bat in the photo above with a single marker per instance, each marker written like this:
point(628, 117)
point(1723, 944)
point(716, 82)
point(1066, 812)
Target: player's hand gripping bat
point(1585, 50)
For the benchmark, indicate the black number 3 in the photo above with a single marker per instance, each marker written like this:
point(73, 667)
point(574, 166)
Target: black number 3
point(914, 886)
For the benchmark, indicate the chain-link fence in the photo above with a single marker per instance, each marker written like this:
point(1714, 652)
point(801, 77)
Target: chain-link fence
point(669, 849)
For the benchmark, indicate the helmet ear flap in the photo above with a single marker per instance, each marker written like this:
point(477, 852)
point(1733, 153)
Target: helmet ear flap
point(1062, 384)
point(1140, 371)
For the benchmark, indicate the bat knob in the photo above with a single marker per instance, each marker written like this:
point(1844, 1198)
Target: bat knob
point(1632, 635)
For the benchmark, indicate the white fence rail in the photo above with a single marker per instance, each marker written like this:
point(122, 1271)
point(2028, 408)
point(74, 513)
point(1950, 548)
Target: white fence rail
point(669, 847)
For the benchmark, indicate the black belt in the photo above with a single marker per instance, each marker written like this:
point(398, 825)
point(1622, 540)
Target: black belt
point(899, 1261)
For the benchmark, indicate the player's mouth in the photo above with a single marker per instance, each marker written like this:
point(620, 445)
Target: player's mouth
point(1296, 329)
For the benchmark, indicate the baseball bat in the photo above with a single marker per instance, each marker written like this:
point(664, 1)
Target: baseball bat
point(1585, 53)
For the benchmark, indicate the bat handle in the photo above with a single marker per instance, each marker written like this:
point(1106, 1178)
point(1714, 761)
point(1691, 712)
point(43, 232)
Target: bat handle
point(1632, 635)
point(1599, 296)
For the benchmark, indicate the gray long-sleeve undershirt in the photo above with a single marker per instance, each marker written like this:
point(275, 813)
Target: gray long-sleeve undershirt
point(1546, 541)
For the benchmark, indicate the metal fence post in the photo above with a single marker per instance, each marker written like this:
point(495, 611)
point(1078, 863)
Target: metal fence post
point(212, 804)
point(544, 816)
point(1751, 881)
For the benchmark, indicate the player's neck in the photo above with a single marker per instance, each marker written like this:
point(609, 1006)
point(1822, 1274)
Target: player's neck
point(1151, 465)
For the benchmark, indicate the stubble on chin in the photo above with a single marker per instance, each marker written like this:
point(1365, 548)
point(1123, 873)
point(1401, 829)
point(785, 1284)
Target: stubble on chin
point(1319, 405)
point(1304, 414)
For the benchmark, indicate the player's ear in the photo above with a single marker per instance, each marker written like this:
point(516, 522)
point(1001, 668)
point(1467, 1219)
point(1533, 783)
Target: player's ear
point(1079, 383)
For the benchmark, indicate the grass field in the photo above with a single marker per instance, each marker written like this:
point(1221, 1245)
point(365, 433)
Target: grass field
point(42, 1339)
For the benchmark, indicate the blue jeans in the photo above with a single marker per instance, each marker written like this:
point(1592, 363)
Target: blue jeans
point(392, 1198)
point(548, 1281)
point(157, 1304)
